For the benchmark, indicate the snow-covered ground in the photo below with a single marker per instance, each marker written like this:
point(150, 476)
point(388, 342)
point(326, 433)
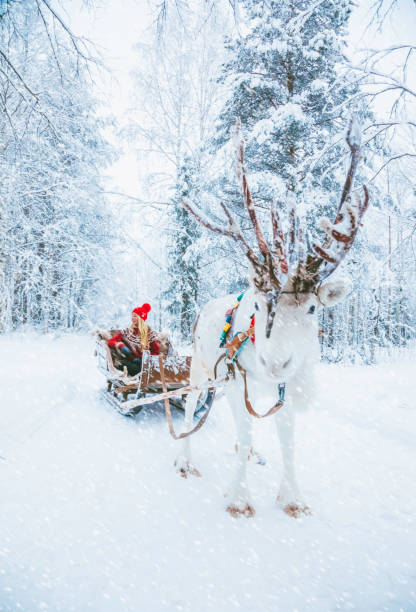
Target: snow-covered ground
point(94, 517)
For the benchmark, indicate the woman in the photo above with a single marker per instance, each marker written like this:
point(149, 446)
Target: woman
point(132, 341)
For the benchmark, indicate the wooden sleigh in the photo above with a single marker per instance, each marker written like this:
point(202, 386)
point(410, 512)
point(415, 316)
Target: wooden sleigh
point(128, 394)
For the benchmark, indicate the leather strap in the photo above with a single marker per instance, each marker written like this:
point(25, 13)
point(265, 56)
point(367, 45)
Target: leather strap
point(234, 345)
point(220, 358)
point(230, 368)
point(249, 407)
point(168, 412)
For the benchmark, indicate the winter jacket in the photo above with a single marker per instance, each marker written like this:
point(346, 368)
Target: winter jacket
point(126, 338)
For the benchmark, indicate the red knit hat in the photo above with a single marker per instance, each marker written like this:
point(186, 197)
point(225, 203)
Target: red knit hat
point(142, 311)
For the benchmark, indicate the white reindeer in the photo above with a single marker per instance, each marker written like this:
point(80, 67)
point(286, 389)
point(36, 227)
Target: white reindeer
point(286, 345)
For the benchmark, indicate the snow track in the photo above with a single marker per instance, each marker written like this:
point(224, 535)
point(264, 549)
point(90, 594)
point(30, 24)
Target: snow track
point(93, 516)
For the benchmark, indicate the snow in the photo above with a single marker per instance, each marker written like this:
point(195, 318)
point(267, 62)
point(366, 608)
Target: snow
point(288, 113)
point(262, 130)
point(94, 516)
point(319, 85)
point(280, 46)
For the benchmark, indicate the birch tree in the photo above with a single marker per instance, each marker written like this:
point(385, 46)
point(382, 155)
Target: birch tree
point(54, 241)
point(176, 92)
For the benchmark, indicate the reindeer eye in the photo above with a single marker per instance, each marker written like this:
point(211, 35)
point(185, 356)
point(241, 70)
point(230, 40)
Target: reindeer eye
point(311, 309)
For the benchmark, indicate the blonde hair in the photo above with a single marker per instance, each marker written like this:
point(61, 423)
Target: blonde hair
point(143, 332)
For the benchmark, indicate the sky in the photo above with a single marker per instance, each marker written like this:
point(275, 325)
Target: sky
point(115, 26)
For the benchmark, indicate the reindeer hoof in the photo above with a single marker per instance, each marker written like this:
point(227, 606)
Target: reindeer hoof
point(259, 459)
point(236, 512)
point(190, 471)
point(186, 469)
point(296, 510)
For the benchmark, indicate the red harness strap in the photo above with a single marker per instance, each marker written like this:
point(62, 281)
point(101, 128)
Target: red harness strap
point(252, 324)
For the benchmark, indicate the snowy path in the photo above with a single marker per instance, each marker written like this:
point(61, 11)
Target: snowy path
point(93, 516)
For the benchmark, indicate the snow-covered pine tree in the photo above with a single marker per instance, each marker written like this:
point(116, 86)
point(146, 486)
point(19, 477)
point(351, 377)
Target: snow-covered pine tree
point(282, 74)
point(181, 294)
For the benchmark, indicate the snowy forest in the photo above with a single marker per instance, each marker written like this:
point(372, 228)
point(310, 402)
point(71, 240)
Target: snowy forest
point(119, 131)
point(77, 250)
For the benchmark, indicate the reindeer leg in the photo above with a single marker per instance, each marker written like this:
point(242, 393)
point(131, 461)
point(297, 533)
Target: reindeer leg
point(239, 495)
point(289, 496)
point(183, 462)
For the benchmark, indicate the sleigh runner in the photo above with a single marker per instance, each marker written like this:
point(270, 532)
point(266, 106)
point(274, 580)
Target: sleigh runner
point(162, 377)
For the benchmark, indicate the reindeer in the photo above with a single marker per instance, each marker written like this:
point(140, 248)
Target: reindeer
point(285, 299)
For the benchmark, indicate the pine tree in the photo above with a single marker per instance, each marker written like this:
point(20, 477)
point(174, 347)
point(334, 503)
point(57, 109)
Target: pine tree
point(283, 78)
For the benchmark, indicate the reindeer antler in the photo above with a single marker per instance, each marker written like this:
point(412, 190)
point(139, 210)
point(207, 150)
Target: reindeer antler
point(233, 231)
point(278, 239)
point(248, 200)
point(341, 234)
point(272, 270)
point(271, 273)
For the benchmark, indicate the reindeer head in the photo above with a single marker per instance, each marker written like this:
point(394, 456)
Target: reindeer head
point(279, 280)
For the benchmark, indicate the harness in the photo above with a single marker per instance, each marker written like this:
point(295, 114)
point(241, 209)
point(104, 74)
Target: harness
point(238, 339)
point(233, 348)
point(229, 317)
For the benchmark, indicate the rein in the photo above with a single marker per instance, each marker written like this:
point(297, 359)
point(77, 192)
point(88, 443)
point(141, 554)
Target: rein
point(169, 414)
point(250, 409)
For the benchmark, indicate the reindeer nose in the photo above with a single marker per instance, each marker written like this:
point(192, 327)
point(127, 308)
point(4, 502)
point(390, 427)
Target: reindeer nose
point(275, 368)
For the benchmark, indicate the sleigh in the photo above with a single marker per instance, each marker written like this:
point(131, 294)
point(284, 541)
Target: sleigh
point(129, 394)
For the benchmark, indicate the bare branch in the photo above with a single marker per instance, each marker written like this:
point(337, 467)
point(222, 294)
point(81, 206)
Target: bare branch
point(20, 78)
point(391, 159)
point(75, 40)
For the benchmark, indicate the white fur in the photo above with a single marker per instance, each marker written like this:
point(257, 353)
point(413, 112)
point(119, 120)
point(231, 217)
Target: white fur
point(288, 355)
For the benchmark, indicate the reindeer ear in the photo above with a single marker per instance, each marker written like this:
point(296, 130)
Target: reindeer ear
point(331, 293)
